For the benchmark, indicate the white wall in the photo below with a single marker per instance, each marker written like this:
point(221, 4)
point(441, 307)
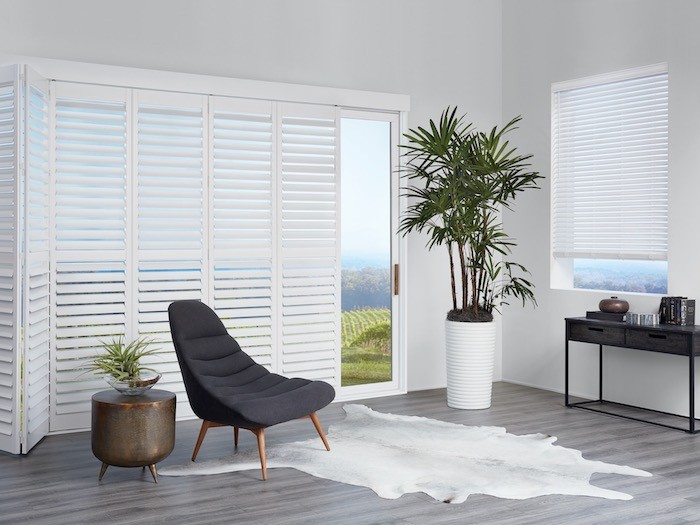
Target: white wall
point(440, 52)
point(546, 41)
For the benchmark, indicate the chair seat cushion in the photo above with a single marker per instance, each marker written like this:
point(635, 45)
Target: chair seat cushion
point(273, 399)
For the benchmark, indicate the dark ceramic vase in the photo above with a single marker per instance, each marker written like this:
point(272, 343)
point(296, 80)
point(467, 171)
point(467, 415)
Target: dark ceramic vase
point(614, 305)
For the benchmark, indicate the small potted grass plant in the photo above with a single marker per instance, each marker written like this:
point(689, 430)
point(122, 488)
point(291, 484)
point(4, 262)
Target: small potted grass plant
point(120, 365)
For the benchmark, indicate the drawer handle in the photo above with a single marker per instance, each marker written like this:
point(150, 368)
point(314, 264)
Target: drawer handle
point(657, 336)
point(592, 329)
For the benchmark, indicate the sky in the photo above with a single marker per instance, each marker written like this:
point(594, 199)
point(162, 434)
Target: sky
point(365, 166)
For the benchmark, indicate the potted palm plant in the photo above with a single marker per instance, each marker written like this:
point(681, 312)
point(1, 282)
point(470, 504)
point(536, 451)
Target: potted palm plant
point(460, 181)
point(120, 365)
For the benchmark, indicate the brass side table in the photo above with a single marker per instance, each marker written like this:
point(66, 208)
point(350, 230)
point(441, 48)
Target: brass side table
point(133, 431)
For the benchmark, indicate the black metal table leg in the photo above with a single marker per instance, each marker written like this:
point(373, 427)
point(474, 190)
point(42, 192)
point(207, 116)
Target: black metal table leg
point(691, 388)
point(600, 372)
point(566, 371)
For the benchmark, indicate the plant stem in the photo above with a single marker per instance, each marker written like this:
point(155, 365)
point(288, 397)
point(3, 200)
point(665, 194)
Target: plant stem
point(463, 266)
point(452, 276)
point(475, 288)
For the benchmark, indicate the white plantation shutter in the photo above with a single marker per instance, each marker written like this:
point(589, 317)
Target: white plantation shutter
point(309, 230)
point(36, 322)
point(171, 249)
point(610, 167)
point(115, 202)
point(242, 223)
point(9, 261)
point(90, 240)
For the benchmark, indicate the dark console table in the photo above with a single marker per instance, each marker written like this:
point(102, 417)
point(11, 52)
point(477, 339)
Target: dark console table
point(666, 339)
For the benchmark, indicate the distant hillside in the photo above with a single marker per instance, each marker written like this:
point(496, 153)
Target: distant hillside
point(622, 276)
point(366, 288)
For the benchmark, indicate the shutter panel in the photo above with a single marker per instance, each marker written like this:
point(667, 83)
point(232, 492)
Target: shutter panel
point(242, 223)
point(610, 169)
point(9, 263)
point(37, 363)
point(90, 236)
point(309, 227)
point(171, 238)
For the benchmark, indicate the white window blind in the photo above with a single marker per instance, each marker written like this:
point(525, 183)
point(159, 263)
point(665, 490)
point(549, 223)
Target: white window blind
point(610, 167)
point(167, 196)
point(36, 319)
point(9, 264)
point(242, 209)
point(309, 295)
point(171, 247)
point(24, 258)
point(90, 240)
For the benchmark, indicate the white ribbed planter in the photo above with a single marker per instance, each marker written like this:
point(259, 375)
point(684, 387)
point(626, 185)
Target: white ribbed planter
point(471, 350)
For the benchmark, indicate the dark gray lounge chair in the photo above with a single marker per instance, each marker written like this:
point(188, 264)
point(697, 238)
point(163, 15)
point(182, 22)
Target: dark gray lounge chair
point(227, 388)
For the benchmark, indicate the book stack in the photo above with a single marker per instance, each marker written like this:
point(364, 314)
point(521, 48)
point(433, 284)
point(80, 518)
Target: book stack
point(677, 310)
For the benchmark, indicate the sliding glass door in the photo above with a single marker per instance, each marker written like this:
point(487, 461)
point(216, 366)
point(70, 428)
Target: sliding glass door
point(368, 152)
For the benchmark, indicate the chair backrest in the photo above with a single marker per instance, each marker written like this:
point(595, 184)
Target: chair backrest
point(208, 356)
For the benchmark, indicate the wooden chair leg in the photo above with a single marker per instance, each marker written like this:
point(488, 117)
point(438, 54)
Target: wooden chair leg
point(202, 433)
point(319, 429)
point(235, 437)
point(260, 434)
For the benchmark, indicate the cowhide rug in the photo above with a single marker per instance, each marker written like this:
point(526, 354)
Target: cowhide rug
point(394, 455)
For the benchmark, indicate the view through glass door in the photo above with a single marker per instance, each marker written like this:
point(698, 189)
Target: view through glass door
point(368, 249)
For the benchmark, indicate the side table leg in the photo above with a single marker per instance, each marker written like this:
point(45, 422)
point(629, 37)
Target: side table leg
point(600, 373)
point(566, 372)
point(154, 473)
point(102, 471)
point(691, 388)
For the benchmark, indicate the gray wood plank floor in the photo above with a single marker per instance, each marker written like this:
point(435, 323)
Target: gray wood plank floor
point(57, 482)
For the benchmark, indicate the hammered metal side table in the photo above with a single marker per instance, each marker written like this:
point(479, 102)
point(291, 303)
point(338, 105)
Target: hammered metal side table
point(133, 431)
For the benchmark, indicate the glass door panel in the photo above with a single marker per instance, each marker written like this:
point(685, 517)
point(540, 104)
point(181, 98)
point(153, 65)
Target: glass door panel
point(366, 251)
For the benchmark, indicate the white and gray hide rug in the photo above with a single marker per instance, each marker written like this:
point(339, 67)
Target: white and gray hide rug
point(394, 455)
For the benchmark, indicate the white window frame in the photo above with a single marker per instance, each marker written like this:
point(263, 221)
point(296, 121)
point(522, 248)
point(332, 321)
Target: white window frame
point(398, 302)
point(561, 267)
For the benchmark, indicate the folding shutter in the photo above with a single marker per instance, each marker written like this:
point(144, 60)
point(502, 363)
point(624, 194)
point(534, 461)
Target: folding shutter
point(309, 231)
point(36, 320)
point(90, 269)
point(610, 168)
point(170, 239)
point(9, 260)
point(242, 222)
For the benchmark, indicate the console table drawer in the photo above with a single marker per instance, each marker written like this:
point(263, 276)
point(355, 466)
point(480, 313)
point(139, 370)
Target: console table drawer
point(604, 335)
point(661, 342)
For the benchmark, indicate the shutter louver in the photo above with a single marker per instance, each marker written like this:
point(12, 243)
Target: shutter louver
point(171, 250)
point(309, 234)
point(36, 324)
point(242, 198)
point(9, 296)
point(90, 292)
point(610, 169)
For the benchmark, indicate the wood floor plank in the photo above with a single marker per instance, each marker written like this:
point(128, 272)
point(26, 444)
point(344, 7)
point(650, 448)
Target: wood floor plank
point(57, 482)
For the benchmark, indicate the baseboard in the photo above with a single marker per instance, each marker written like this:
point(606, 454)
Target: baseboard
point(556, 390)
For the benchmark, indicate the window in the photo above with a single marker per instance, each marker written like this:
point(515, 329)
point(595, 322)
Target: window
point(610, 181)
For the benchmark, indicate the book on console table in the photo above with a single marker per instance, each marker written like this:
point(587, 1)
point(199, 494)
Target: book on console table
point(605, 316)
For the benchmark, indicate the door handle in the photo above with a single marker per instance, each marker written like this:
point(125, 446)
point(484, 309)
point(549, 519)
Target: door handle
point(396, 279)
